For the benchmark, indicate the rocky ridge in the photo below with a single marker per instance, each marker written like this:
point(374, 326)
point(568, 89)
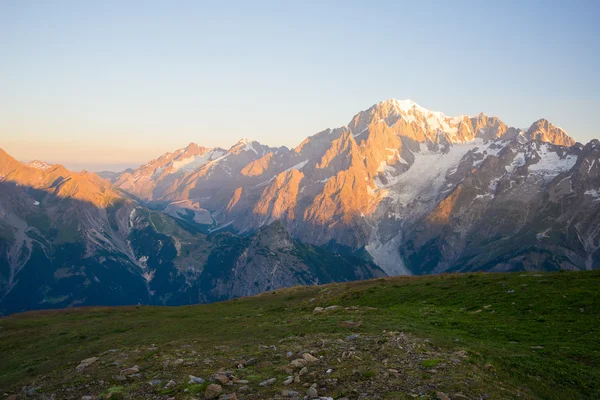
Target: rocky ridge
point(398, 169)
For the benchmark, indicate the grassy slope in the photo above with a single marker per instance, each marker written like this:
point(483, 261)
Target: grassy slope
point(540, 340)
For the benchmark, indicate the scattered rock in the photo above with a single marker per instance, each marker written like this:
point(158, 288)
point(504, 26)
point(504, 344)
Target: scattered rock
point(86, 363)
point(354, 336)
point(155, 382)
point(87, 398)
point(130, 371)
point(331, 308)
point(288, 380)
point(309, 358)
point(268, 382)
point(171, 383)
point(220, 378)
point(287, 369)
point(303, 371)
point(195, 379)
point(213, 391)
point(312, 393)
point(289, 393)
point(298, 363)
point(442, 396)
point(243, 389)
point(318, 310)
point(231, 396)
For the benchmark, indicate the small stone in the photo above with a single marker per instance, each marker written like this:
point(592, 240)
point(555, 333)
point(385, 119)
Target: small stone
point(288, 380)
point(268, 382)
point(442, 396)
point(241, 381)
point(195, 379)
point(231, 396)
point(329, 371)
point(213, 391)
point(221, 378)
point(87, 398)
point(318, 310)
point(354, 336)
point(289, 393)
point(178, 362)
point(298, 363)
point(155, 382)
point(171, 383)
point(312, 393)
point(309, 358)
point(331, 308)
point(289, 354)
point(243, 389)
point(86, 363)
point(303, 371)
point(286, 369)
point(130, 371)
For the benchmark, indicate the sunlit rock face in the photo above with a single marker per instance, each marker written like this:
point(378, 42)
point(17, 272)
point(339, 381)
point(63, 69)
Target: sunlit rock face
point(72, 239)
point(418, 190)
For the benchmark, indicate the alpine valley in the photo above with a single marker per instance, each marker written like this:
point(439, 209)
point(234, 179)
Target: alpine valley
point(399, 190)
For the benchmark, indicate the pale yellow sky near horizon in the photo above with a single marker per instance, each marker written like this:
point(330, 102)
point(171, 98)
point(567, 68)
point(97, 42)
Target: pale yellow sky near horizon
point(83, 155)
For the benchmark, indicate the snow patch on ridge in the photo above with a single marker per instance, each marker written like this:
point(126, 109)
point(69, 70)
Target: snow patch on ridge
point(298, 166)
point(424, 180)
point(595, 193)
point(551, 162)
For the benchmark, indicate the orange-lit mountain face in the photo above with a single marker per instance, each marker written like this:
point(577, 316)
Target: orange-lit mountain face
point(399, 180)
point(57, 180)
point(399, 189)
point(73, 239)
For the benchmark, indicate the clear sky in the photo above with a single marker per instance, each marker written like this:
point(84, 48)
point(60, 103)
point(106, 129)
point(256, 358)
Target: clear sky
point(109, 84)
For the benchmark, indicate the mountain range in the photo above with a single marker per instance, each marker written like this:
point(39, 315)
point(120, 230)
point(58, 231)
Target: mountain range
point(399, 190)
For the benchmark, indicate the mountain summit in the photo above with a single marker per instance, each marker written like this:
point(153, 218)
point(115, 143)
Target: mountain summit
point(400, 188)
point(376, 183)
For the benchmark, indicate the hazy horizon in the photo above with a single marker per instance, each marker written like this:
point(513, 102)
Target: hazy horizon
point(122, 83)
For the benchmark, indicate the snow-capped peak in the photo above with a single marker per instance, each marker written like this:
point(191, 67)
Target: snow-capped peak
point(245, 145)
point(37, 164)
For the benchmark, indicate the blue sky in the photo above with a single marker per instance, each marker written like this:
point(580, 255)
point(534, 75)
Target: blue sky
point(107, 84)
